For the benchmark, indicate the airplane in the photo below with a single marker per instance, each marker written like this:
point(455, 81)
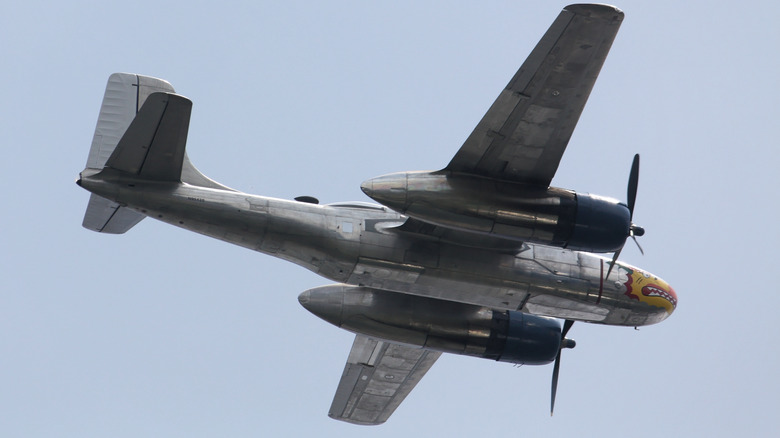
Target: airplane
point(481, 258)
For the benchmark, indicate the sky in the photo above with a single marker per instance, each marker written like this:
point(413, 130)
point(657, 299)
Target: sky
point(162, 332)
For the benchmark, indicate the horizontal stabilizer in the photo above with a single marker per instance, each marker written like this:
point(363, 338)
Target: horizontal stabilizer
point(106, 216)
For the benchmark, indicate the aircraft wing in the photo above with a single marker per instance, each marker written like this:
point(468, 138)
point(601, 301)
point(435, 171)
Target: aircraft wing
point(377, 378)
point(525, 132)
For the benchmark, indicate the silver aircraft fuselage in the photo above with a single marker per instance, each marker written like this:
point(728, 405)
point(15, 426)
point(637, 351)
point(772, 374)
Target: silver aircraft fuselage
point(350, 243)
point(476, 258)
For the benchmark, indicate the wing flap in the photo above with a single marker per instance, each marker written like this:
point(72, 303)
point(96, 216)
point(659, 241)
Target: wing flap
point(377, 378)
point(523, 135)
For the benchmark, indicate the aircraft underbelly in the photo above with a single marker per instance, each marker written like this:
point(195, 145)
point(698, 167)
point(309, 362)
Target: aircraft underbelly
point(463, 286)
point(540, 280)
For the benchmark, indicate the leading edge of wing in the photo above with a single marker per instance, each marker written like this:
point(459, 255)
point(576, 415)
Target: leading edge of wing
point(377, 378)
point(525, 132)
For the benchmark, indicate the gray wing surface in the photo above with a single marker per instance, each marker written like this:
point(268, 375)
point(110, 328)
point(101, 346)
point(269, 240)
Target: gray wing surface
point(377, 378)
point(525, 132)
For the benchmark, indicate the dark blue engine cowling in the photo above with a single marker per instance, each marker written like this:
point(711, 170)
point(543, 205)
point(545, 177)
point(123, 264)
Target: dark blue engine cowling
point(521, 338)
point(601, 224)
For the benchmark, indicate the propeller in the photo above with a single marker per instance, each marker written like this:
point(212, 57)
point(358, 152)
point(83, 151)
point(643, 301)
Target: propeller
point(565, 343)
point(634, 230)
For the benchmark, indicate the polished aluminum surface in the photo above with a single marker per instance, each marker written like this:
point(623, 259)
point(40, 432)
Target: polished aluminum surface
point(514, 211)
point(350, 245)
point(377, 377)
point(438, 325)
point(145, 172)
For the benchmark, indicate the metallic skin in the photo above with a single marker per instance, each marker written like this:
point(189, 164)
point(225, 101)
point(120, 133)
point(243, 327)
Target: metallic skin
point(357, 245)
point(444, 326)
point(523, 135)
point(377, 377)
point(474, 259)
point(516, 211)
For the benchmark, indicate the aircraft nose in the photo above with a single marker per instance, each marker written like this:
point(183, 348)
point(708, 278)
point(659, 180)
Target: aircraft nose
point(662, 295)
point(649, 289)
point(664, 292)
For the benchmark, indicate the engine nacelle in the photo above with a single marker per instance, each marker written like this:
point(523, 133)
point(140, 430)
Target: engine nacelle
point(521, 212)
point(528, 339)
point(439, 325)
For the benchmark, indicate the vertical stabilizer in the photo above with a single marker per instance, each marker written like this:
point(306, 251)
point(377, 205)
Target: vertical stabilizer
point(124, 96)
point(141, 131)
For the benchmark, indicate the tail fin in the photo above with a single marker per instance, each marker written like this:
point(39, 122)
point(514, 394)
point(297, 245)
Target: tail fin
point(142, 131)
point(125, 95)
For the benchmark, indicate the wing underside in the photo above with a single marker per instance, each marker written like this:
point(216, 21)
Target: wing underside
point(525, 132)
point(377, 378)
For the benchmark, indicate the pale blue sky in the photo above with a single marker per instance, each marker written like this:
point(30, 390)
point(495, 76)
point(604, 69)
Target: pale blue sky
point(161, 332)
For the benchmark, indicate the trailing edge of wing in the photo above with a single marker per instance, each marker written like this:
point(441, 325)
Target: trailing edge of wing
point(525, 132)
point(377, 378)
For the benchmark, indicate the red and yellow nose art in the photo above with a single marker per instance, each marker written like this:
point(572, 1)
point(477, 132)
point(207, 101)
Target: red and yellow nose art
point(649, 289)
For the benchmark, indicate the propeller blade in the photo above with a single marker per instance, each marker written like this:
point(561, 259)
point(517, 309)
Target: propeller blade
point(633, 185)
point(633, 236)
point(614, 260)
point(633, 230)
point(566, 327)
point(556, 368)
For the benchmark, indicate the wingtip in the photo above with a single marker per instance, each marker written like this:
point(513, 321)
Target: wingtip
point(596, 10)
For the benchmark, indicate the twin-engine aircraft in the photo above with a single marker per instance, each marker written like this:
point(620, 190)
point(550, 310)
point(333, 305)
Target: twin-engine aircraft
point(475, 259)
